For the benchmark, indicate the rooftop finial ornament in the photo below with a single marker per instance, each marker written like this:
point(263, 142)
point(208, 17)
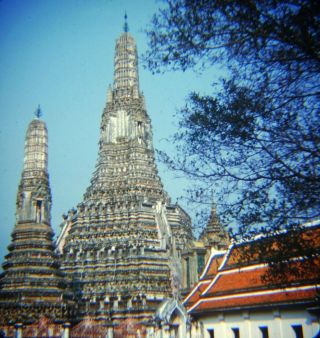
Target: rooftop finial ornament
point(126, 26)
point(38, 112)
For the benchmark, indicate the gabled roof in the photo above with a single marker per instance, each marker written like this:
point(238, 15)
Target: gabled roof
point(212, 264)
point(244, 281)
point(208, 273)
point(305, 295)
point(287, 244)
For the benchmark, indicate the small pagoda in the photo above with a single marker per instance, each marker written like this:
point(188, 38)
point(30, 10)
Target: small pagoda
point(32, 288)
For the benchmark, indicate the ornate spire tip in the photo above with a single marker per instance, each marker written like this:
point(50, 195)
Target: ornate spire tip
point(126, 26)
point(38, 112)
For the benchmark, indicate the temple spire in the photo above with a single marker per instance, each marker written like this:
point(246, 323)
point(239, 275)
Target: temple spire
point(34, 196)
point(124, 223)
point(36, 146)
point(126, 79)
point(38, 112)
point(126, 26)
point(31, 285)
point(214, 234)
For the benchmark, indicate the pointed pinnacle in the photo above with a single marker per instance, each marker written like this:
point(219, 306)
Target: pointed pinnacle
point(38, 112)
point(126, 26)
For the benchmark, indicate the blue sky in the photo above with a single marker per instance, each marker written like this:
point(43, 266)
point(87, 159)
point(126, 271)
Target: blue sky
point(59, 54)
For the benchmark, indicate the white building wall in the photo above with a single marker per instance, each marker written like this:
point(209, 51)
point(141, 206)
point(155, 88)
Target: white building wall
point(279, 323)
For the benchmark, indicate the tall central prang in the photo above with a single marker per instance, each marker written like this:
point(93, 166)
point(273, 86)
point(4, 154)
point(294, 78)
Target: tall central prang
point(121, 245)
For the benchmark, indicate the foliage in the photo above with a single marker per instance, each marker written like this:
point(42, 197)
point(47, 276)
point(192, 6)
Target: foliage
point(253, 144)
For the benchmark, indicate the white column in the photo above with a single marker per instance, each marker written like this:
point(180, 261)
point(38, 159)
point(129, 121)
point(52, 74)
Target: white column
point(150, 332)
point(188, 329)
point(165, 331)
point(247, 322)
point(222, 326)
point(18, 327)
point(277, 324)
point(66, 330)
point(110, 332)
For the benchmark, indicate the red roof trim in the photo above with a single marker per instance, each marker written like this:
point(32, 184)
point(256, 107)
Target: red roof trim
point(214, 254)
point(257, 298)
point(196, 288)
point(232, 271)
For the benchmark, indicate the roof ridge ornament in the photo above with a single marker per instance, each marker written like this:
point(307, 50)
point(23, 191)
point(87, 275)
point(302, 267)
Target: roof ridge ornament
point(38, 112)
point(126, 26)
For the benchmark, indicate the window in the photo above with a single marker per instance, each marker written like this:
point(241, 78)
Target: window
point(264, 331)
point(298, 330)
point(38, 211)
point(236, 332)
point(200, 262)
point(211, 333)
point(188, 272)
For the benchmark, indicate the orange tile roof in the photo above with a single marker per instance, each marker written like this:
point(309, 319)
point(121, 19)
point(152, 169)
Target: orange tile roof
point(210, 270)
point(286, 243)
point(255, 277)
point(259, 299)
point(215, 262)
point(195, 293)
point(249, 283)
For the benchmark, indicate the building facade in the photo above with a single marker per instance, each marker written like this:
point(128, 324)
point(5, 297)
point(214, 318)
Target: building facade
point(240, 294)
